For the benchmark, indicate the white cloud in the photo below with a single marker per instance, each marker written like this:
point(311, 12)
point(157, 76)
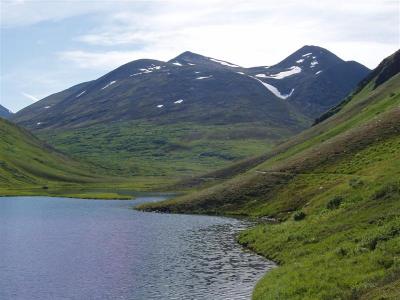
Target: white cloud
point(15, 13)
point(248, 33)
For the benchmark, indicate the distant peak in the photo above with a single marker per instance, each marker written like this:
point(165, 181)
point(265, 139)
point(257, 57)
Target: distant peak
point(310, 55)
point(189, 53)
point(188, 56)
point(315, 50)
point(192, 58)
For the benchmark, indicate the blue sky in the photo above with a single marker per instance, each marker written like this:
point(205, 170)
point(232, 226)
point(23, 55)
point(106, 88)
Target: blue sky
point(48, 46)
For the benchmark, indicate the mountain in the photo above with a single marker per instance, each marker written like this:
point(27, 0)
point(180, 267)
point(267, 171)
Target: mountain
point(195, 88)
point(189, 114)
point(320, 80)
point(330, 197)
point(5, 113)
point(163, 92)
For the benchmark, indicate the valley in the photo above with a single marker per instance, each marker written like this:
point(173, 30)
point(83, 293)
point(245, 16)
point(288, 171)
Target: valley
point(190, 115)
point(322, 184)
point(208, 150)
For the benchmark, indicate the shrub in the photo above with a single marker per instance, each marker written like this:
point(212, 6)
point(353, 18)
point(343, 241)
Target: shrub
point(299, 215)
point(341, 252)
point(355, 183)
point(385, 261)
point(389, 190)
point(334, 202)
point(371, 243)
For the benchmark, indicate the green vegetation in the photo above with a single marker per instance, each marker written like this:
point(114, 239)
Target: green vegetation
point(30, 167)
point(173, 151)
point(350, 237)
point(335, 188)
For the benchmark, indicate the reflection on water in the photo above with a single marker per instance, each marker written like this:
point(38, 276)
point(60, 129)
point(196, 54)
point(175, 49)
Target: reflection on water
point(54, 248)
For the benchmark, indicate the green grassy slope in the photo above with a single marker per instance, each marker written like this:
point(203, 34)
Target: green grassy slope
point(137, 148)
point(28, 166)
point(334, 191)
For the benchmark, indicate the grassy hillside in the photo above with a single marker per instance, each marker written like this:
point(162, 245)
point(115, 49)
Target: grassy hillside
point(334, 192)
point(28, 166)
point(172, 150)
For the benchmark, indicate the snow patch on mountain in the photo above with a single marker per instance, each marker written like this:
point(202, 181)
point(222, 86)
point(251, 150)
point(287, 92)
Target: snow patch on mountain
point(80, 94)
point(108, 84)
point(224, 63)
point(241, 73)
point(313, 63)
point(307, 54)
point(178, 101)
point(274, 90)
point(300, 61)
point(318, 72)
point(160, 106)
point(190, 64)
point(177, 64)
point(291, 71)
point(47, 107)
point(150, 69)
point(147, 70)
point(204, 77)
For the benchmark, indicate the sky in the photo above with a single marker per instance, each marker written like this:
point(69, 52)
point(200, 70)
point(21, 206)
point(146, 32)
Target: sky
point(49, 45)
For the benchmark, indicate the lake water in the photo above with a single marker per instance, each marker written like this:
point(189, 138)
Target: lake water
point(57, 248)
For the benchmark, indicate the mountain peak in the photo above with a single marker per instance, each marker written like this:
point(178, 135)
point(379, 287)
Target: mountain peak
point(314, 50)
point(312, 57)
point(189, 56)
point(192, 58)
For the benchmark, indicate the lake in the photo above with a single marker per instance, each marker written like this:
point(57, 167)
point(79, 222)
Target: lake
point(58, 248)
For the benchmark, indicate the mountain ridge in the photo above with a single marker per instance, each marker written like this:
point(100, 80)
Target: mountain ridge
point(141, 89)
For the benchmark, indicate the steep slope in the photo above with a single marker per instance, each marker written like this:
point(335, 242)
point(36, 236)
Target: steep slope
point(185, 116)
point(334, 191)
point(4, 112)
point(28, 164)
